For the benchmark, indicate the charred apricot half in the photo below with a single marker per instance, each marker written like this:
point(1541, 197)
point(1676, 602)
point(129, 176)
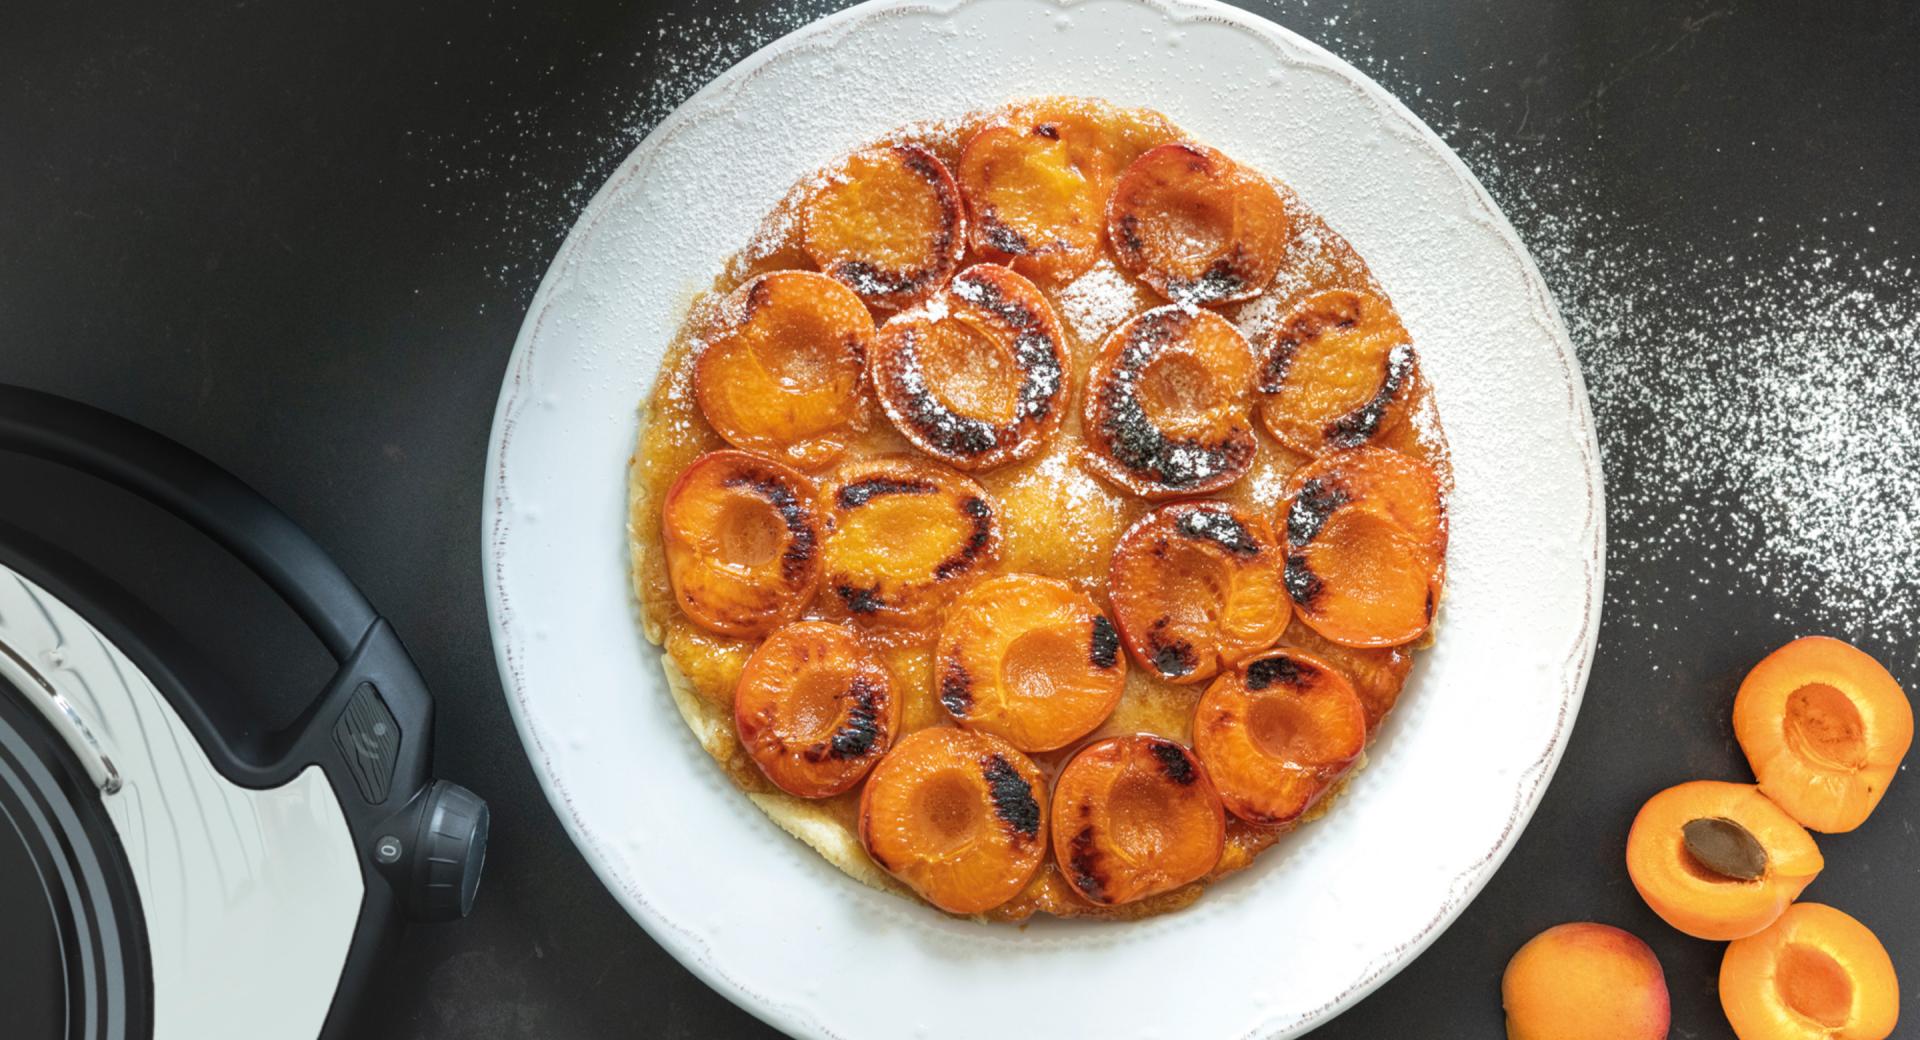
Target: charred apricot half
point(1337, 372)
point(978, 378)
point(814, 709)
point(1030, 659)
point(782, 372)
point(1197, 226)
point(1277, 733)
point(1135, 816)
point(1036, 182)
point(901, 533)
point(1717, 860)
point(1167, 404)
point(960, 817)
point(1814, 974)
point(888, 222)
point(1195, 586)
point(742, 540)
point(1824, 726)
point(1366, 534)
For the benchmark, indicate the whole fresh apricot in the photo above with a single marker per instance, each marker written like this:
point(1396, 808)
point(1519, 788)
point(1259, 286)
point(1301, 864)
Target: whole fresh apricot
point(1585, 981)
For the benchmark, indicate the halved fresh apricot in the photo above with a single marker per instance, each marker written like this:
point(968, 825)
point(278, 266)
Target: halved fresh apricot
point(1133, 817)
point(1036, 181)
point(958, 816)
point(1167, 404)
point(814, 709)
point(901, 535)
point(888, 222)
point(1197, 226)
point(783, 370)
point(1814, 974)
point(1717, 860)
point(1197, 586)
point(742, 538)
point(1336, 372)
point(1030, 659)
point(1277, 733)
point(1366, 535)
point(978, 378)
point(1824, 726)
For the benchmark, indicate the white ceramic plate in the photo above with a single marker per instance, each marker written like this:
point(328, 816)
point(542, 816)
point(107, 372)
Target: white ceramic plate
point(1318, 922)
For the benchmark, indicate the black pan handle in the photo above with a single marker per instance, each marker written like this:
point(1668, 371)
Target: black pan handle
point(368, 728)
point(200, 493)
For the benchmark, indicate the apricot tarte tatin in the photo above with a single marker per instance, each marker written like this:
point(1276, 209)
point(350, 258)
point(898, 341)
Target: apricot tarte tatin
point(1041, 513)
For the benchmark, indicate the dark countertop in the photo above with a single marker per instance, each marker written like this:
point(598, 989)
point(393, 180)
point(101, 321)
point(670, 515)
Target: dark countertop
point(300, 239)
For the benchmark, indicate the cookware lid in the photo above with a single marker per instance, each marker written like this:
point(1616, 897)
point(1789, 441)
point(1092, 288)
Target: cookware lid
point(73, 963)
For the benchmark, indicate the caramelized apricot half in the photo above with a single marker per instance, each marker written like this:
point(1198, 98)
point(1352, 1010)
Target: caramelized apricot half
point(1196, 586)
point(978, 378)
point(1277, 733)
point(742, 536)
point(1337, 372)
point(901, 535)
point(814, 709)
point(1197, 226)
point(1814, 974)
point(1717, 860)
point(1378, 674)
point(1030, 659)
point(782, 372)
point(1366, 534)
point(1824, 726)
point(1167, 404)
point(1036, 181)
point(888, 222)
point(958, 816)
point(1133, 817)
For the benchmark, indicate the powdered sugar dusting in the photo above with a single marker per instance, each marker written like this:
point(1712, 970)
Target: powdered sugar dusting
point(1756, 415)
point(1098, 301)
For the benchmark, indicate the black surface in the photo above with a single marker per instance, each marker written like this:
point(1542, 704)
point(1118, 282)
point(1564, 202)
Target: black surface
point(299, 238)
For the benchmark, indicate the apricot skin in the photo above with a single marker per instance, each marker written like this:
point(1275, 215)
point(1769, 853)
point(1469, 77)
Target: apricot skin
point(1585, 981)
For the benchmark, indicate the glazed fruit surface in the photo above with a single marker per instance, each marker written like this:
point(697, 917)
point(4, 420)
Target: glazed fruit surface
point(1047, 507)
